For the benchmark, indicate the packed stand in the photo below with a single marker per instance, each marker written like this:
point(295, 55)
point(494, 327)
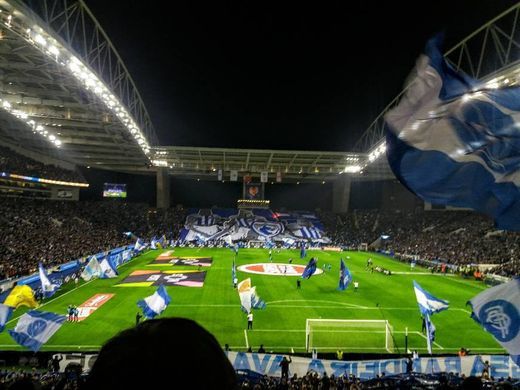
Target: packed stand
point(312, 380)
point(12, 162)
point(55, 232)
point(456, 237)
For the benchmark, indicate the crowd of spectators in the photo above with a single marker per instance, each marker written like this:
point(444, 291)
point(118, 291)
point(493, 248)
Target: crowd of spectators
point(12, 162)
point(455, 237)
point(55, 232)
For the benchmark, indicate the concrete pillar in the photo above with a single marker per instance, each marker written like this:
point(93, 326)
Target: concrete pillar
point(341, 194)
point(163, 188)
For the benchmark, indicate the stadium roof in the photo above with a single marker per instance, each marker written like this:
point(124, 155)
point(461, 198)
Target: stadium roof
point(65, 91)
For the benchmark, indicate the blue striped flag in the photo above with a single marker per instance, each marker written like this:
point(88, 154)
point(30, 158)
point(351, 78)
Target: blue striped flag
point(454, 141)
point(310, 268)
point(155, 304)
point(35, 328)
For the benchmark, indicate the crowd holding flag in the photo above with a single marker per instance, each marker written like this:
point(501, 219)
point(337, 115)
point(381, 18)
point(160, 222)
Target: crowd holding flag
point(5, 313)
point(92, 269)
point(35, 328)
point(155, 304)
point(454, 141)
point(428, 305)
point(497, 310)
point(345, 277)
point(310, 268)
point(21, 295)
point(48, 288)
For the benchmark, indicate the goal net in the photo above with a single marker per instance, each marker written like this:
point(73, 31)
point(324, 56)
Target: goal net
point(348, 335)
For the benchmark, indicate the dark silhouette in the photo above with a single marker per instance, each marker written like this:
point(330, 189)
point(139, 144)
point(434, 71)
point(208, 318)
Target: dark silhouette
point(284, 364)
point(162, 353)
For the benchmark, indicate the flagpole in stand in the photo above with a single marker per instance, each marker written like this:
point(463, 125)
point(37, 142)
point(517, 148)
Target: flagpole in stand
point(406, 340)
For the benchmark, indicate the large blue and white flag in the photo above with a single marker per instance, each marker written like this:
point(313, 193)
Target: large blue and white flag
point(345, 277)
point(153, 243)
point(5, 313)
point(452, 141)
point(155, 304)
point(310, 268)
point(256, 301)
point(428, 304)
point(35, 328)
point(92, 269)
point(109, 270)
point(497, 309)
point(48, 288)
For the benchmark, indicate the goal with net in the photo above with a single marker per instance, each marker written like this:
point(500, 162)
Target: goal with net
point(348, 335)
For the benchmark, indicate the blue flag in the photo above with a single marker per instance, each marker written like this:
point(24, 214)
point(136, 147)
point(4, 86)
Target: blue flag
point(345, 277)
point(155, 304)
point(497, 309)
point(35, 328)
point(310, 268)
point(5, 313)
point(452, 141)
point(428, 304)
point(48, 288)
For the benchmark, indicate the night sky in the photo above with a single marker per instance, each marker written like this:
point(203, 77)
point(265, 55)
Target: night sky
point(258, 75)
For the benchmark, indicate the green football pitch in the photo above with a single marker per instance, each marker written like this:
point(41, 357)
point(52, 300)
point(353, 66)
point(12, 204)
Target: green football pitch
point(281, 326)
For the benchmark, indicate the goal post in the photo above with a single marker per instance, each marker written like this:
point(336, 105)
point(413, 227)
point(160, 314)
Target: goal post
point(362, 335)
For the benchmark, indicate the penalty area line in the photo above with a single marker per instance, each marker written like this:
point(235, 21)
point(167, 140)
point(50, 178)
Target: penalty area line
point(420, 334)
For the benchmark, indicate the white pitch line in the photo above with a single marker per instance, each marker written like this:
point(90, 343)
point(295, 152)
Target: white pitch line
point(420, 334)
point(247, 341)
point(52, 300)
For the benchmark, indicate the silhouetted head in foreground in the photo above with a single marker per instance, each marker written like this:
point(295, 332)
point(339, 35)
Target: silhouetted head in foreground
point(165, 353)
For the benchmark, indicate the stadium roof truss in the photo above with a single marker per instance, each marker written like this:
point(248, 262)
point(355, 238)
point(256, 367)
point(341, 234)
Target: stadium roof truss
point(65, 91)
point(490, 54)
point(305, 166)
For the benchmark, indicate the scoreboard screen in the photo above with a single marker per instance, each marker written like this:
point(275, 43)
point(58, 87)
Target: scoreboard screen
point(112, 190)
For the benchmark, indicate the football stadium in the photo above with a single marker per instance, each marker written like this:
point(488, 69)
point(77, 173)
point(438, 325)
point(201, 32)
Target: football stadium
point(206, 216)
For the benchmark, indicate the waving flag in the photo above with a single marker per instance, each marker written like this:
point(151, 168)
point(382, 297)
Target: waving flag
point(310, 268)
point(155, 304)
point(5, 314)
point(454, 142)
point(92, 269)
point(244, 292)
point(497, 309)
point(428, 305)
point(21, 295)
point(256, 301)
point(35, 328)
point(139, 245)
point(345, 277)
point(48, 288)
point(108, 269)
point(153, 244)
